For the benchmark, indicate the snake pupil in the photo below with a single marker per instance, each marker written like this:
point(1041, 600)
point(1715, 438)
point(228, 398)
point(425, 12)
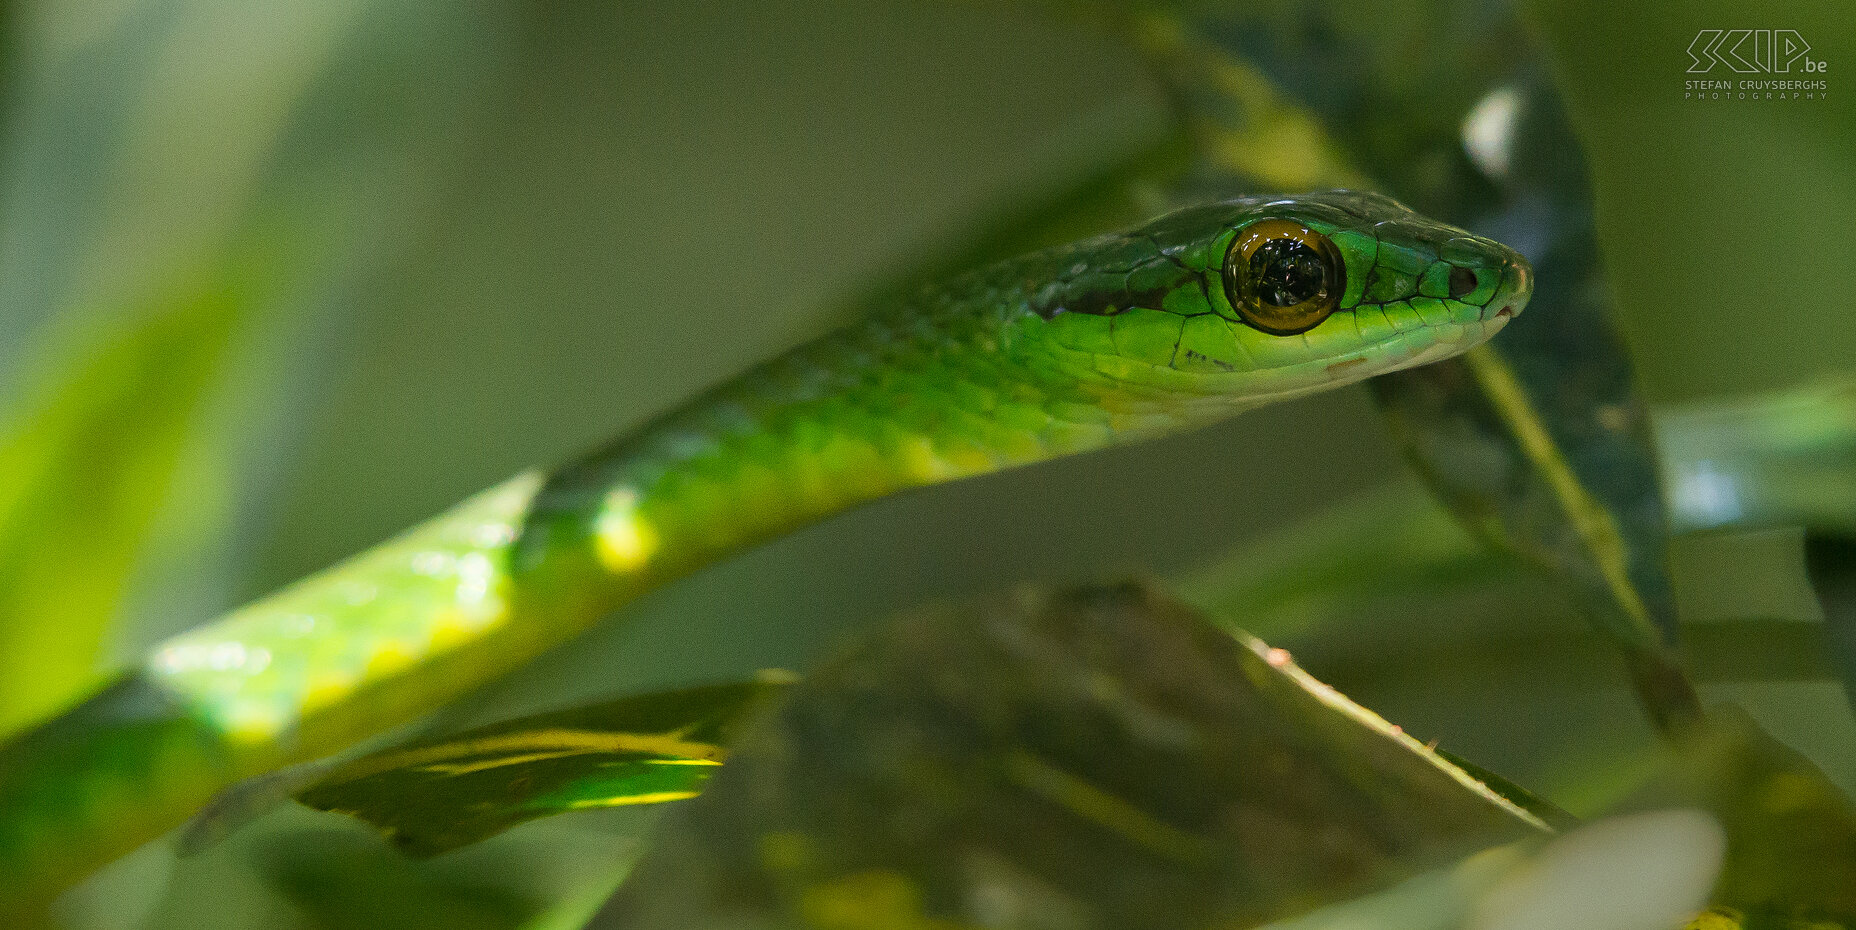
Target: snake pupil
point(1287, 272)
point(1282, 277)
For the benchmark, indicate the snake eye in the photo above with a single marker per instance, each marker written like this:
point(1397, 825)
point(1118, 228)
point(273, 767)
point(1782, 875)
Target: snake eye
point(1282, 277)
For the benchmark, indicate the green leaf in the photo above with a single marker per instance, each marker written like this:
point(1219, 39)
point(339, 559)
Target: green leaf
point(1546, 811)
point(1107, 758)
point(1783, 458)
point(437, 795)
point(85, 467)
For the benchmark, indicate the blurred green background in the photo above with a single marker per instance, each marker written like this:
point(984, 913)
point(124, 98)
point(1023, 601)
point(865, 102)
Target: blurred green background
point(412, 248)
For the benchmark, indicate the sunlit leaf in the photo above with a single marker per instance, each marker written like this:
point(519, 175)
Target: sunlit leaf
point(436, 795)
point(1102, 759)
point(85, 467)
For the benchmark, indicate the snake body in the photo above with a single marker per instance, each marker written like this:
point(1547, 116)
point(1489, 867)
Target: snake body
point(1198, 315)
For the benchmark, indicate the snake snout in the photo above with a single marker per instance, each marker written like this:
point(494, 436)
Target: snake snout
point(1512, 295)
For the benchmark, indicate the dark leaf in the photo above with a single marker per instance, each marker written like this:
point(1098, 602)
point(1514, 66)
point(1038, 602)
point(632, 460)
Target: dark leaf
point(1831, 561)
point(1102, 759)
point(1539, 440)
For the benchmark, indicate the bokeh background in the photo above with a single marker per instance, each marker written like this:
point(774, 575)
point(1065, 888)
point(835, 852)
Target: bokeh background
point(440, 242)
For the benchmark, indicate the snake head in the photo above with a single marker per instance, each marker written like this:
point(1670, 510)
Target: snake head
point(1259, 298)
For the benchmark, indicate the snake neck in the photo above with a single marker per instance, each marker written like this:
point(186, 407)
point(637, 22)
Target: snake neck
point(963, 382)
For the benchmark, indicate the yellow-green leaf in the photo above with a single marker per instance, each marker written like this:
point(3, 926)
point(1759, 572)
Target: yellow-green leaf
point(86, 464)
point(436, 795)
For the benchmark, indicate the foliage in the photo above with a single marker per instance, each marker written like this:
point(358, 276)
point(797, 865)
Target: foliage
point(453, 183)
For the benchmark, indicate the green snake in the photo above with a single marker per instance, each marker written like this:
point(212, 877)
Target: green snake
point(1189, 319)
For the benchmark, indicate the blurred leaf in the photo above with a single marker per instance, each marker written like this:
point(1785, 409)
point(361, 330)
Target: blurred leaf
point(83, 473)
point(437, 795)
point(1645, 871)
point(1732, 465)
point(1791, 834)
point(1728, 814)
point(345, 882)
point(1386, 557)
point(572, 912)
point(1784, 458)
point(233, 808)
point(1250, 136)
point(1386, 587)
point(1101, 759)
point(1440, 899)
point(1367, 90)
point(1126, 193)
point(1727, 918)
